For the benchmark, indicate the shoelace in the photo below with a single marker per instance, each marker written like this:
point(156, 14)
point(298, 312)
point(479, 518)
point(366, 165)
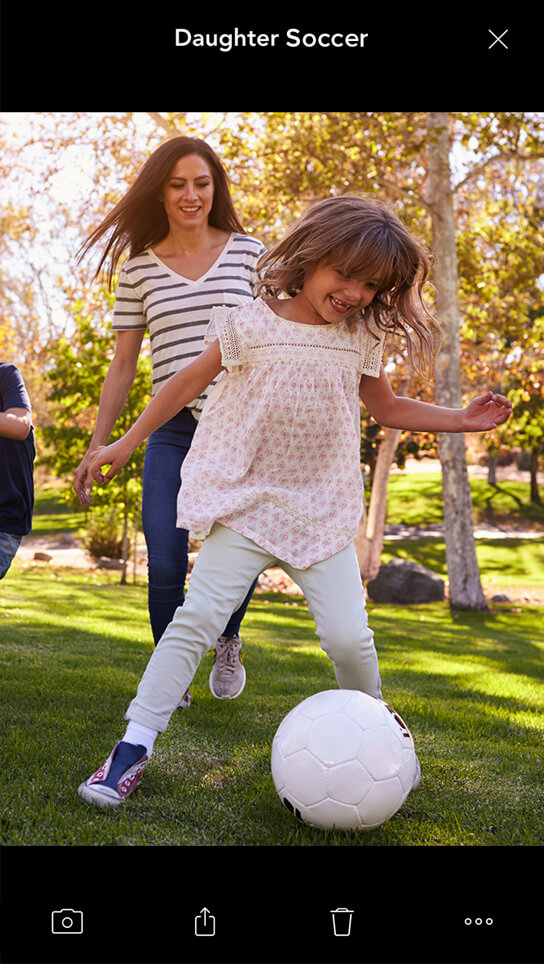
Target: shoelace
point(228, 657)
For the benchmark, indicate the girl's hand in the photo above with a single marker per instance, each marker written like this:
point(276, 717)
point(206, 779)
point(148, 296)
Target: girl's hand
point(114, 455)
point(486, 412)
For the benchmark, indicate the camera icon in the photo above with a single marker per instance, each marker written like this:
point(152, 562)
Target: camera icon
point(67, 921)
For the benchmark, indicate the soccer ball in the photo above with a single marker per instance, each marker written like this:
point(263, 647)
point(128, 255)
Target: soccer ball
point(343, 760)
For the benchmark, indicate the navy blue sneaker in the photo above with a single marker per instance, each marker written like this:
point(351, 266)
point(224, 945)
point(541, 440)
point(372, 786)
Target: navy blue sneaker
point(117, 777)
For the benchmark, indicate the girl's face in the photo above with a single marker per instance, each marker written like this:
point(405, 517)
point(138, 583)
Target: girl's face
point(333, 296)
point(187, 193)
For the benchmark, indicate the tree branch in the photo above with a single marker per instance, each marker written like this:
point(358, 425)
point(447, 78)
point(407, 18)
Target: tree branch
point(404, 192)
point(499, 157)
point(163, 122)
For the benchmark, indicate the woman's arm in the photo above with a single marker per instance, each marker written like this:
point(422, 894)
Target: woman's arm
point(482, 414)
point(180, 389)
point(117, 384)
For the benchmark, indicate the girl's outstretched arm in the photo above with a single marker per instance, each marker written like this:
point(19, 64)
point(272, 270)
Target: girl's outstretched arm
point(482, 414)
point(180, 389)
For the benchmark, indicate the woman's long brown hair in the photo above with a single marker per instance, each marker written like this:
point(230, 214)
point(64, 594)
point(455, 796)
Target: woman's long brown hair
point(139, 220)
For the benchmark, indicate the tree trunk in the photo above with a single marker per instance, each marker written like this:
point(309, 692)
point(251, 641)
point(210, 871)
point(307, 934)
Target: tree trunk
point(369, 539)
point(535, 494)
point(463, 572)
point(126, 546)
point(492, 469)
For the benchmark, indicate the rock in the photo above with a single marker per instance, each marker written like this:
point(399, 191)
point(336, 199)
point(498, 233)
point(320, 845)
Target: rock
point(500, 597)
point(67, 541)
point(401, 581)
point(42, 557)
point(105, 563)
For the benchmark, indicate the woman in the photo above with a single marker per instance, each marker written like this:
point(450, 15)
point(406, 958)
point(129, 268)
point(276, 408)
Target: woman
point(187, 253)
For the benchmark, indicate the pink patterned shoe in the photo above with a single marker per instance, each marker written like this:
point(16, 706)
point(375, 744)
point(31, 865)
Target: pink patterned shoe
point(117, 777)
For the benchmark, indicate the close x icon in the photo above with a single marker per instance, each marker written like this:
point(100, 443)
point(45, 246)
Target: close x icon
point(498, 39)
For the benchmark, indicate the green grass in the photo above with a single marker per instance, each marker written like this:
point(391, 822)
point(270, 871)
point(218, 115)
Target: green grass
point(416, 499)
point(73, 647)
point(54, 515)
point(503, 562)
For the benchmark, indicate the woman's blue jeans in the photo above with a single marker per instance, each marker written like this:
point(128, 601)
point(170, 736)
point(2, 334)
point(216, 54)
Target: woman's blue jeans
point(167, 546)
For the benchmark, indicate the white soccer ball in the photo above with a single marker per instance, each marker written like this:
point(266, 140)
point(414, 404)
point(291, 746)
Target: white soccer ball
point(343, 760)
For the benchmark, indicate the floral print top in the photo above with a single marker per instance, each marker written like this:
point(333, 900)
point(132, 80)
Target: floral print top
point(276, 455)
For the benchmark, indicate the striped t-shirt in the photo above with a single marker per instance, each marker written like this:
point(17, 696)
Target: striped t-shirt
point(176, 309)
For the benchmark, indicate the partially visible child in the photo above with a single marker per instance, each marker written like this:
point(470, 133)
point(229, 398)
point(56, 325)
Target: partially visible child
point(273, 474)
point(17, 453)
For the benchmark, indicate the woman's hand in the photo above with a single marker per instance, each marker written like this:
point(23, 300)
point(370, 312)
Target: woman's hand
point(115, 455)
point(83, 481)
point(486, 412)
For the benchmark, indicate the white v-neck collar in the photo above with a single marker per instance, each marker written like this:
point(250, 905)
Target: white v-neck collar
point(192, 281)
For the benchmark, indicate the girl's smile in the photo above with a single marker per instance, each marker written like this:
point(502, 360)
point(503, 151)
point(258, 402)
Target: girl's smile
point(341, 306)
point(328, 296)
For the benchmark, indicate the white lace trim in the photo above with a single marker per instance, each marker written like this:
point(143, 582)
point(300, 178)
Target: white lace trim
point(223, 326)
point(363, 354)
point(372, 348)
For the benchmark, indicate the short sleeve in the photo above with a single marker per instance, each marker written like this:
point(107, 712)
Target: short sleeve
point(254, 277)
point(223, 326)
point(372, 348)
point(128, 310)
point(13, 393)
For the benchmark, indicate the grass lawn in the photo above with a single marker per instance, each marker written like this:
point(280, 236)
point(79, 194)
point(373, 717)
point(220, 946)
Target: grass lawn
point(504, 563)
point(416, 499)
point(53, 515)
point(73, 646)
point(511, 562)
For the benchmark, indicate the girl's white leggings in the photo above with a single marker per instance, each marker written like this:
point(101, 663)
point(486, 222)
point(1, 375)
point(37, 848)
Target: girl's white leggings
point(226, 565)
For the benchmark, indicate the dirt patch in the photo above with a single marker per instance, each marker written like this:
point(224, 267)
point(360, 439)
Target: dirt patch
point(67, 552)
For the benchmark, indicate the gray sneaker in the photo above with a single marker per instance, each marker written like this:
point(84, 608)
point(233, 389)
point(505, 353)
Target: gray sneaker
point(228, 676)
point(185, 702)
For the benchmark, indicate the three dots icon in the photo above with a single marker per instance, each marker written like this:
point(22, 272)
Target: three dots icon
point(478, 921)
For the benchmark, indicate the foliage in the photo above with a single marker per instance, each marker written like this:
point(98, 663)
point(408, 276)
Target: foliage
point(75, 377)
point(411, 445)
point(104, 535)
point(278, 163)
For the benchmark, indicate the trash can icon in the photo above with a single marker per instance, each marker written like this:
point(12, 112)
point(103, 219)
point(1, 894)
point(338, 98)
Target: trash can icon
point(341, 921)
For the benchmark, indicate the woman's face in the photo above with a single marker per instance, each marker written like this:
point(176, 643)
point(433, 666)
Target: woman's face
point(187, 193)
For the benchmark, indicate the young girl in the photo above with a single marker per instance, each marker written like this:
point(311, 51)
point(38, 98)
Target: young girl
point(274, 474)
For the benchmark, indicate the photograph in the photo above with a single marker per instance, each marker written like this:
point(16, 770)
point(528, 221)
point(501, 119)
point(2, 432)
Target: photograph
point(271, 522)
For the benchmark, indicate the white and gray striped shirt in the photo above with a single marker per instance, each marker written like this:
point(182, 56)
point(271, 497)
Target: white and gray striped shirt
point(177, 310)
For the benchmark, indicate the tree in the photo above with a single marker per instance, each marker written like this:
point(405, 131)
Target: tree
point(369, 538)
point(77, 372)
point(463, 570)
point(407, 157)
point(525, 386)
point(279, 162)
